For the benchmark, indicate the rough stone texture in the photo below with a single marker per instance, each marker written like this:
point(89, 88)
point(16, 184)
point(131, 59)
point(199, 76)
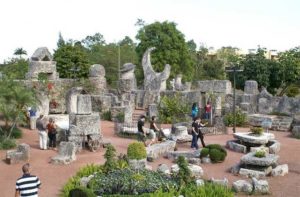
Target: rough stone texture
point(172, 155)
point(180, 134)
point(137, 164)
point(275, 147)
point(153, 80)
point(280, 170)
point(66, 153)
point(179, 86)
point(235, 169)
point(200, 182)
point(253, 173)
point(268, 160)
point(242, 186)
point(152, 110)
point(296, 131)
point(206, 160)
point(84, 104)
point(71, 99)
point(220, 86)
point(97, 70)
point(43, 107)
point(85, 180)
point(260, 186)
point(22, 153)
point(223, 182)
point(235, 146)
point(157, 150)
point(163, 168)
point(41, 62)
point(260, 148)
point(279, 123)
point(195, 161)
point(197, 171)
point(251, 87)
point(254, 139)
point(101, 103)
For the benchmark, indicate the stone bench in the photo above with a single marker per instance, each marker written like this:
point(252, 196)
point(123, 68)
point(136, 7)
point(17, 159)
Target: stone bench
point(156, 150)
point(21, 154)
point(66, 153)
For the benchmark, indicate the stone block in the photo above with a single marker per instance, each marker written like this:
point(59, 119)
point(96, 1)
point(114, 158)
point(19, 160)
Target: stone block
point(206, 160)
point(280, 170)
point(220, 86)
point(251, 87)
point(84, 104)
point(163, 168)
point(268, 160)
point(195, 161)
point(260, 186)
point(252, 173)
point(254, 139)
point(152, 110)
point(86, 124)
point(66, 153)
point(235, 146)
point(242, 186)
point(157, 150)
point(172, 155)
point(137, 164)
point(101, 103)
point(275, 147)
point(200, 182)
point(21, 154)
point(235, 169)
point(197, 171)
point(261, 148)
point(296, 131)
point(223, 182)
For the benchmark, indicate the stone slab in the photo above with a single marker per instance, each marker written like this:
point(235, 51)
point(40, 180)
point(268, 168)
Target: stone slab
point(235, 146)
point(254, 139)
point(156, 150)
point(268, 160)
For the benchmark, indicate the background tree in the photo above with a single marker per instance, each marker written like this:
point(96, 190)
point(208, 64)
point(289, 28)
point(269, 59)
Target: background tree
point(15, 68)
point(72, 60)
point(20, 52)
point(171, 48)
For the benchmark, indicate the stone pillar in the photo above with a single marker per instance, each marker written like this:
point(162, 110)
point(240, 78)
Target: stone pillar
point(178, 82)
point(84, 104)
point(218, 106)
point(152, 110)
point(251, 87)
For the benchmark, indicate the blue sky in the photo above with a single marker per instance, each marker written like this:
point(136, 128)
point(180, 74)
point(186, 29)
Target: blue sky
point(274, 24)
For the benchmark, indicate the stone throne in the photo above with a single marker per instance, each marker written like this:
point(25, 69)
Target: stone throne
point(42, 62)
point(154, 81)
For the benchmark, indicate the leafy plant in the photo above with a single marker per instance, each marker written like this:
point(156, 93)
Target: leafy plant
point(7, 143)
point(292, 91)
point(204, 152)
point(257, 130)
point(172, 109)
point(240, 118)
point(208, 190)
point(216, 153)
point(120, 117)
point(106, 115)
point(82, 192)
point(110, 156)
point(128, 182)
point(136, 150)
point(16, 133)
point(184, 175)
point(260, 153)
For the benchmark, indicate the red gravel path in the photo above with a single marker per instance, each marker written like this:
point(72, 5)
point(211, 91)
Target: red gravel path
point(53, 177)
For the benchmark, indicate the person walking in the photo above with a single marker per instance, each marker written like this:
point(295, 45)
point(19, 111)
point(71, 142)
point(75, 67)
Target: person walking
point(200, 134)
point(40, 125)
point(197, 133)
point(51, 128)
point(27, 185)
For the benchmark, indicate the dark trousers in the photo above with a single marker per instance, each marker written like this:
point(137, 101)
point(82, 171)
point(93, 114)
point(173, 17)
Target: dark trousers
point(194, 141)
point(201, 138)
point(52, 140)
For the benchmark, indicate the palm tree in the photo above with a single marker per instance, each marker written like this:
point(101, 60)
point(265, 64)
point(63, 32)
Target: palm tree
point(20, 52)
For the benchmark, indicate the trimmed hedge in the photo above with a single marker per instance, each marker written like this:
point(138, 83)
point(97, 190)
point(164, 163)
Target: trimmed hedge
point(216, 153)
point(204, 152)
point(136, 150)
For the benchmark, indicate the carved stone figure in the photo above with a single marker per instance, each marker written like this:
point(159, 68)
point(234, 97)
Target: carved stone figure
point(154, 80)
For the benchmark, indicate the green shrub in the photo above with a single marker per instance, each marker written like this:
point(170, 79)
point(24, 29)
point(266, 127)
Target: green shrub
point(120, 117)
point(257, 130)
point(292, 91)
point(16, 133)
point(260, 153)
point(184, 175)
point(74, 181)
point(204, 152)
point(129, 182)
point(216, 153)
point(7, 143)
point(240, 119)
point(82, 192)
point(110, 156)
point(136, 150)
point(106, 115)
point(208, 190)
point(172, 109)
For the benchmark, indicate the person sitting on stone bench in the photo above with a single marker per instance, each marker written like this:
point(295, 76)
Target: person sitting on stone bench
point(143, 132)
point(160, 135)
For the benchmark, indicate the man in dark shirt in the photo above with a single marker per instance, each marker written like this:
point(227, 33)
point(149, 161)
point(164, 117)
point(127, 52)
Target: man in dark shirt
point(141, 129)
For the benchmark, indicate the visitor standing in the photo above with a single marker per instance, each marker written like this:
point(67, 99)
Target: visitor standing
point(200, 134)
point(207, 110)
point(27, 185)
point(195, 110)
point(32, 118)
point(51, 128)
point(40, 125)
point(195, 132)
point(141, 129)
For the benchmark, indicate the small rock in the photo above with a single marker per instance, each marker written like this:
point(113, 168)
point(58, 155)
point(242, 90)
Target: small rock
point(163, 168)
point(206, 160)
point(260, 186)
point(242, 186)
point(223, 182)
point(196, 161)
point(199, 182)
point(235, 169)
point(280, 170)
